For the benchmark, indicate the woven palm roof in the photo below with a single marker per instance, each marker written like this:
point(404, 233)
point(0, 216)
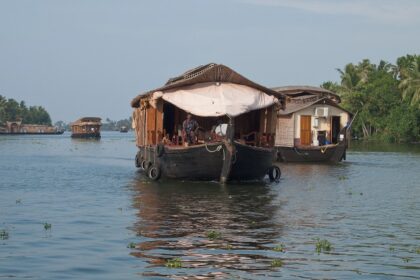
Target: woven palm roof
point(295, 91)
point(87, 121)
point(211, 72)
point(300, 103)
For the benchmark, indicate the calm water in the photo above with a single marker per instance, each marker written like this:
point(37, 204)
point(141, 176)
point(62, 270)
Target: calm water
point(97, 204)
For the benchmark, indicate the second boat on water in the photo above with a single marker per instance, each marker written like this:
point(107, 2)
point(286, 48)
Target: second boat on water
point(87, 127)
point(210, 123)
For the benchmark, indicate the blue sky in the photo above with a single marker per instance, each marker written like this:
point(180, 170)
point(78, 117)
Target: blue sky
point(91, 57)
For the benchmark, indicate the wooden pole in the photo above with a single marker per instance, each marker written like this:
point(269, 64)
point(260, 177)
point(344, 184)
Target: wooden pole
point(229, 151)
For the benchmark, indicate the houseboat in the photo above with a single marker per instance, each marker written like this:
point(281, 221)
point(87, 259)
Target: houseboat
point(228, 133)
point(87, 127)
point(20, 128)
point(312, 127)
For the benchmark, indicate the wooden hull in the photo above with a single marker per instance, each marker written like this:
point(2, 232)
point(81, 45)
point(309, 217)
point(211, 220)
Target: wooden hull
point(329, 153)
point(86, 135)
point(205, 162)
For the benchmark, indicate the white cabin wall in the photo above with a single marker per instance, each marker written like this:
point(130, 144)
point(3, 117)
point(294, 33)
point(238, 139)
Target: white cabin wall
point(323, 123)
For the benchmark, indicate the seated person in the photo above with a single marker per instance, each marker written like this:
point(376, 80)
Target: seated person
point(166, 140)
point(189, 127)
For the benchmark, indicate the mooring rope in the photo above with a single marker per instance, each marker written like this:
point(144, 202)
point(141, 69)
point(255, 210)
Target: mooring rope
point(218, 148)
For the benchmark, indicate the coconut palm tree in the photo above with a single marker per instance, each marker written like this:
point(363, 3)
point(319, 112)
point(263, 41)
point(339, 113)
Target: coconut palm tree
point(410, 81)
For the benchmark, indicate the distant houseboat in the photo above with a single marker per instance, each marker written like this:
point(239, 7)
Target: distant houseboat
point(18, 128)
point(312, 127)
point(123, 129)
point(233, 114)
point(88, 127)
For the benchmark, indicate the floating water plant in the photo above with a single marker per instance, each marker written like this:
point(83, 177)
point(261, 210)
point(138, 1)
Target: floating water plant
point(417, 250)
point(47, 226)
point(406, 259)
point(323, 246)
point(342, 177)
point(174, 263)
point(213, 234)
point(279, 248)
point(276, 263)
point(392, 249)
point(4, 234)
point(18, 201)
point(131, 245)
point(228, 247)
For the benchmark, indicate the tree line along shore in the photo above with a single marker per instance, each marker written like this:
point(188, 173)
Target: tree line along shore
point(385, 96)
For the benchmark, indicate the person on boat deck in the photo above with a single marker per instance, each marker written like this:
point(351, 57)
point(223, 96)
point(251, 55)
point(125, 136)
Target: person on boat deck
point(189, 126)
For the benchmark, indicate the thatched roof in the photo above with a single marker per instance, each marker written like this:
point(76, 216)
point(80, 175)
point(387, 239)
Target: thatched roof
point(203, 74)
point(295, 91)
point(87, 121)
point(302, 102)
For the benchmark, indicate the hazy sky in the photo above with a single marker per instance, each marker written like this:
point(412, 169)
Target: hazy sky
point(91, 57)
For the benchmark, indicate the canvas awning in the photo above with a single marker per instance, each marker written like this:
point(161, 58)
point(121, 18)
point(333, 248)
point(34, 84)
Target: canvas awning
point(217, 99)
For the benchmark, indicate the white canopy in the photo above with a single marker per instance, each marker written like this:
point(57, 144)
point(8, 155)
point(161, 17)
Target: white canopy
point(212, 100)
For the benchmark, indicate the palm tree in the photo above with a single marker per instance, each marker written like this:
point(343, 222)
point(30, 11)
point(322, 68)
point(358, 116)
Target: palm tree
point(349, 76)
point(410, 81)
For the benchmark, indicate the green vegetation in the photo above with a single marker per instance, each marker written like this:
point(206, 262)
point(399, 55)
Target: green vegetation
point(280, 248)
point(276, 263)
point(116, 125)
point(212, 235)
point(323, 246)
point(131, 245)
point(417, 250)
point(342, 177)
point(11, 110)
point(228, 246)
point(386, 97)
point(406, 259)
point(47, 226)
point(4, 234)
point(174, 263)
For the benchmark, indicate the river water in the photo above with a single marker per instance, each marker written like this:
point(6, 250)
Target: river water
point(73, 209)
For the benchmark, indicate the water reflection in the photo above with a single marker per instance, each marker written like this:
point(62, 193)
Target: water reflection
point(174, 219)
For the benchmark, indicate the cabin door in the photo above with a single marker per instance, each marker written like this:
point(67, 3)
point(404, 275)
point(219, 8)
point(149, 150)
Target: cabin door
point(335, 129)
point(305, 130)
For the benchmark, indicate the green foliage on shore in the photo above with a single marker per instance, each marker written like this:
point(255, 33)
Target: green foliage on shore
point(386, 97)
point(110, 125)
point(11, 110)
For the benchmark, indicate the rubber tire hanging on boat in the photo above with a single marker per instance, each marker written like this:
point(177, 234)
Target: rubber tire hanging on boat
point(145, 165)
point(137, 160)
point(154, 172)
point(160, 149)
point(274, 173)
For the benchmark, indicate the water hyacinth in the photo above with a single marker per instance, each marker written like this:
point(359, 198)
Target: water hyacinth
point(174, 263)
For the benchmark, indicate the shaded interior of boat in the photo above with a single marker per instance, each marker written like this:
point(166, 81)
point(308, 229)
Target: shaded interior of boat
point(164, 124)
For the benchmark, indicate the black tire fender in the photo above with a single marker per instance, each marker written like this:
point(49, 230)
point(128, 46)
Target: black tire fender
point(274, 173)
point(144, 165)
point(154, 172)
point(138, 160)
